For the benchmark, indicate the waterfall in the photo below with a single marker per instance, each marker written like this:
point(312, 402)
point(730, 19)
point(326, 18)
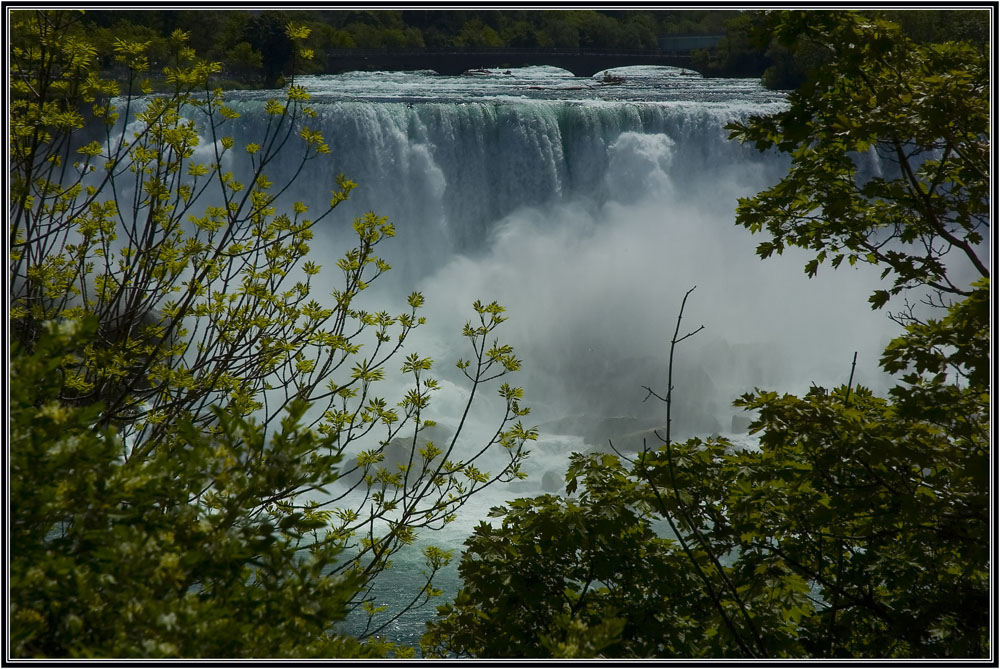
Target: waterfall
point(464, 167)
point(588, 213)
point(589, 221)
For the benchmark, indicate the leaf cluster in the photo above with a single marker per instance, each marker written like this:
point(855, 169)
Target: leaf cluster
point(920, 113)
point(183, 554)
point(572, 577)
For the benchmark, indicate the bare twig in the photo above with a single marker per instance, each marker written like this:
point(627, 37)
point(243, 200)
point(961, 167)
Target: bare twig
point(651, 392)
point(622, 455)
point(670, 366)
point(850, 382)
point(727, 583)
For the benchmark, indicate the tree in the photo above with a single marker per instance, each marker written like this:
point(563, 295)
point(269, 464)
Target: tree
point(244, 61)
point(580, 576)
point(111, 558)
point(475, 33)
point(922, 111)
point(266, 34)
point(520, 34)
point(596, 30)
point(204, 335)
point(736, 54)
point(859, 527)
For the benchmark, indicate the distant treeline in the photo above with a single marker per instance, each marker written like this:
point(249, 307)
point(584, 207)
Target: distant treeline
point(743, 53)
point(255, 51)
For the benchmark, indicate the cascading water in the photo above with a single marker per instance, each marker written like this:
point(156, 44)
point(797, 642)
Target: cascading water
point(588, 211)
